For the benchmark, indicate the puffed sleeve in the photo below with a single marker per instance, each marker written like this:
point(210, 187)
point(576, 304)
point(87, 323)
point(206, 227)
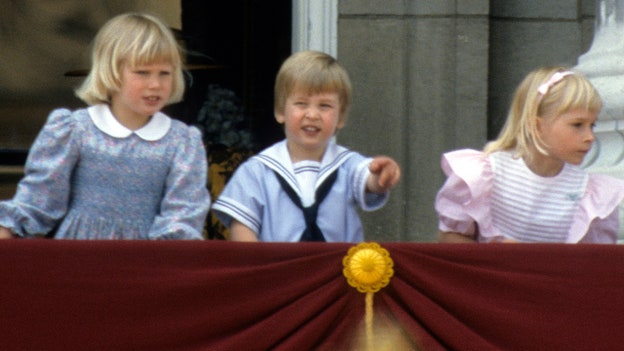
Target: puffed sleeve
point(462, 203)
point(597, 220)
point(42, 195)
point(186, 199)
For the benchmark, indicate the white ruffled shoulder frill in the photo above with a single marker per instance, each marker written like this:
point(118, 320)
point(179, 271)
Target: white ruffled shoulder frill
point(464, 200)
point(600, 201)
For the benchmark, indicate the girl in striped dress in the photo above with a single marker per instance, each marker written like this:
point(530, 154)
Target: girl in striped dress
point(527, 185)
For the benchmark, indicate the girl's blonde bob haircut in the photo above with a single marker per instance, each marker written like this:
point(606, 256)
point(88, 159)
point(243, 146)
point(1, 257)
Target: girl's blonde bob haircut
point(519, 133)
point(132, 39)
point(312, 72)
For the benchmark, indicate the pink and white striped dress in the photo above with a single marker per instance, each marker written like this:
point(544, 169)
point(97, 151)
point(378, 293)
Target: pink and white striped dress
point(498, 197)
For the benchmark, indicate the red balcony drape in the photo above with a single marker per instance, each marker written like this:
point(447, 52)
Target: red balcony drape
point(217, 295)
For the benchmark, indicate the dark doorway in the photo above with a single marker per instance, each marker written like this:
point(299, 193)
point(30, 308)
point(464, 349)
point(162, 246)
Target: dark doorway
point(240, 44)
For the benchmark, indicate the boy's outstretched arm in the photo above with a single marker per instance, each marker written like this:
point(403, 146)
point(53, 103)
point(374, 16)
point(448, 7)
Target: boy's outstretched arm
point(240, 232)
point(385, 174)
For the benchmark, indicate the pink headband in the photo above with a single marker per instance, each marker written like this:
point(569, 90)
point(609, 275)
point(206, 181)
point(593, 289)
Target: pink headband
point(556, 78)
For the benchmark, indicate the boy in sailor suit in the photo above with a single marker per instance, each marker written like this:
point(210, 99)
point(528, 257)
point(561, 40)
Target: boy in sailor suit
point(306, 187)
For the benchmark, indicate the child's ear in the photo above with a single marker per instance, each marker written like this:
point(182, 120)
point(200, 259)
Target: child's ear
point(279, 117)
point(538, 123)
point(341, 123)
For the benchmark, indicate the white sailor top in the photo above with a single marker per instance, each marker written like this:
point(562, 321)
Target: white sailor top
point(498, 197)
point(255, 198)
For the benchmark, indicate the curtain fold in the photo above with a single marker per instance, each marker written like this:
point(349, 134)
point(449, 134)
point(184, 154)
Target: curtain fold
point(218, 295)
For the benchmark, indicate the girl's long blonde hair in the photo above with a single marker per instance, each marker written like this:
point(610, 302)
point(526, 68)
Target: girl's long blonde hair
point(519, 134)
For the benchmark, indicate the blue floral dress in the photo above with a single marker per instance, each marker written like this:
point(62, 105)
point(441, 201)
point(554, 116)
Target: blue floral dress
point(89, 177)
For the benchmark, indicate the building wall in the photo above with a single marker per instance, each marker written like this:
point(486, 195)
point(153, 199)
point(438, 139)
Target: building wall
point(528, 34)
point(432, 76)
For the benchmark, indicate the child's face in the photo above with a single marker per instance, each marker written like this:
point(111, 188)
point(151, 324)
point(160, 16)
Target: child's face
point(144, 90)
point(569, 136)
point(310, 121)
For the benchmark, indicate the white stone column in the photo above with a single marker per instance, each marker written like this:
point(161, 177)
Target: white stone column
point(315, 25)
point(604, 66)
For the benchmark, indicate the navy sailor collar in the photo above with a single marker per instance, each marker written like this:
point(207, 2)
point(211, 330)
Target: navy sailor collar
point(277, 158)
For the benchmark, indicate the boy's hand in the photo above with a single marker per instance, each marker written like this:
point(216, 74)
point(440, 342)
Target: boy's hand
point(385, 174)
point(5, 233)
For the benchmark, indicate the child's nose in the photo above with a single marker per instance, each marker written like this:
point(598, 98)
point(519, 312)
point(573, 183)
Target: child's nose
point(590, 137)
point(312, 113)
point(154, 82)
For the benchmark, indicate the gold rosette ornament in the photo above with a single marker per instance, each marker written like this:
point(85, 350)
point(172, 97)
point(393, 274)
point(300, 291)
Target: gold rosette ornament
point(368, 268)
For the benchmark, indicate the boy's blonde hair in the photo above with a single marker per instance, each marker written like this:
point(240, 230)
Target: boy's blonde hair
point(314, 72)
point(131, 39)
point(572, 91)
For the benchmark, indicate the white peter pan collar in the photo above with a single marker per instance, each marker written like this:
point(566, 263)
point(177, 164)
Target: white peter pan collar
point(103, 118)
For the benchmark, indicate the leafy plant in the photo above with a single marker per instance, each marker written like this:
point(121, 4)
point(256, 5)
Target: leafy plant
point(229, 143)
point(222, 119)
